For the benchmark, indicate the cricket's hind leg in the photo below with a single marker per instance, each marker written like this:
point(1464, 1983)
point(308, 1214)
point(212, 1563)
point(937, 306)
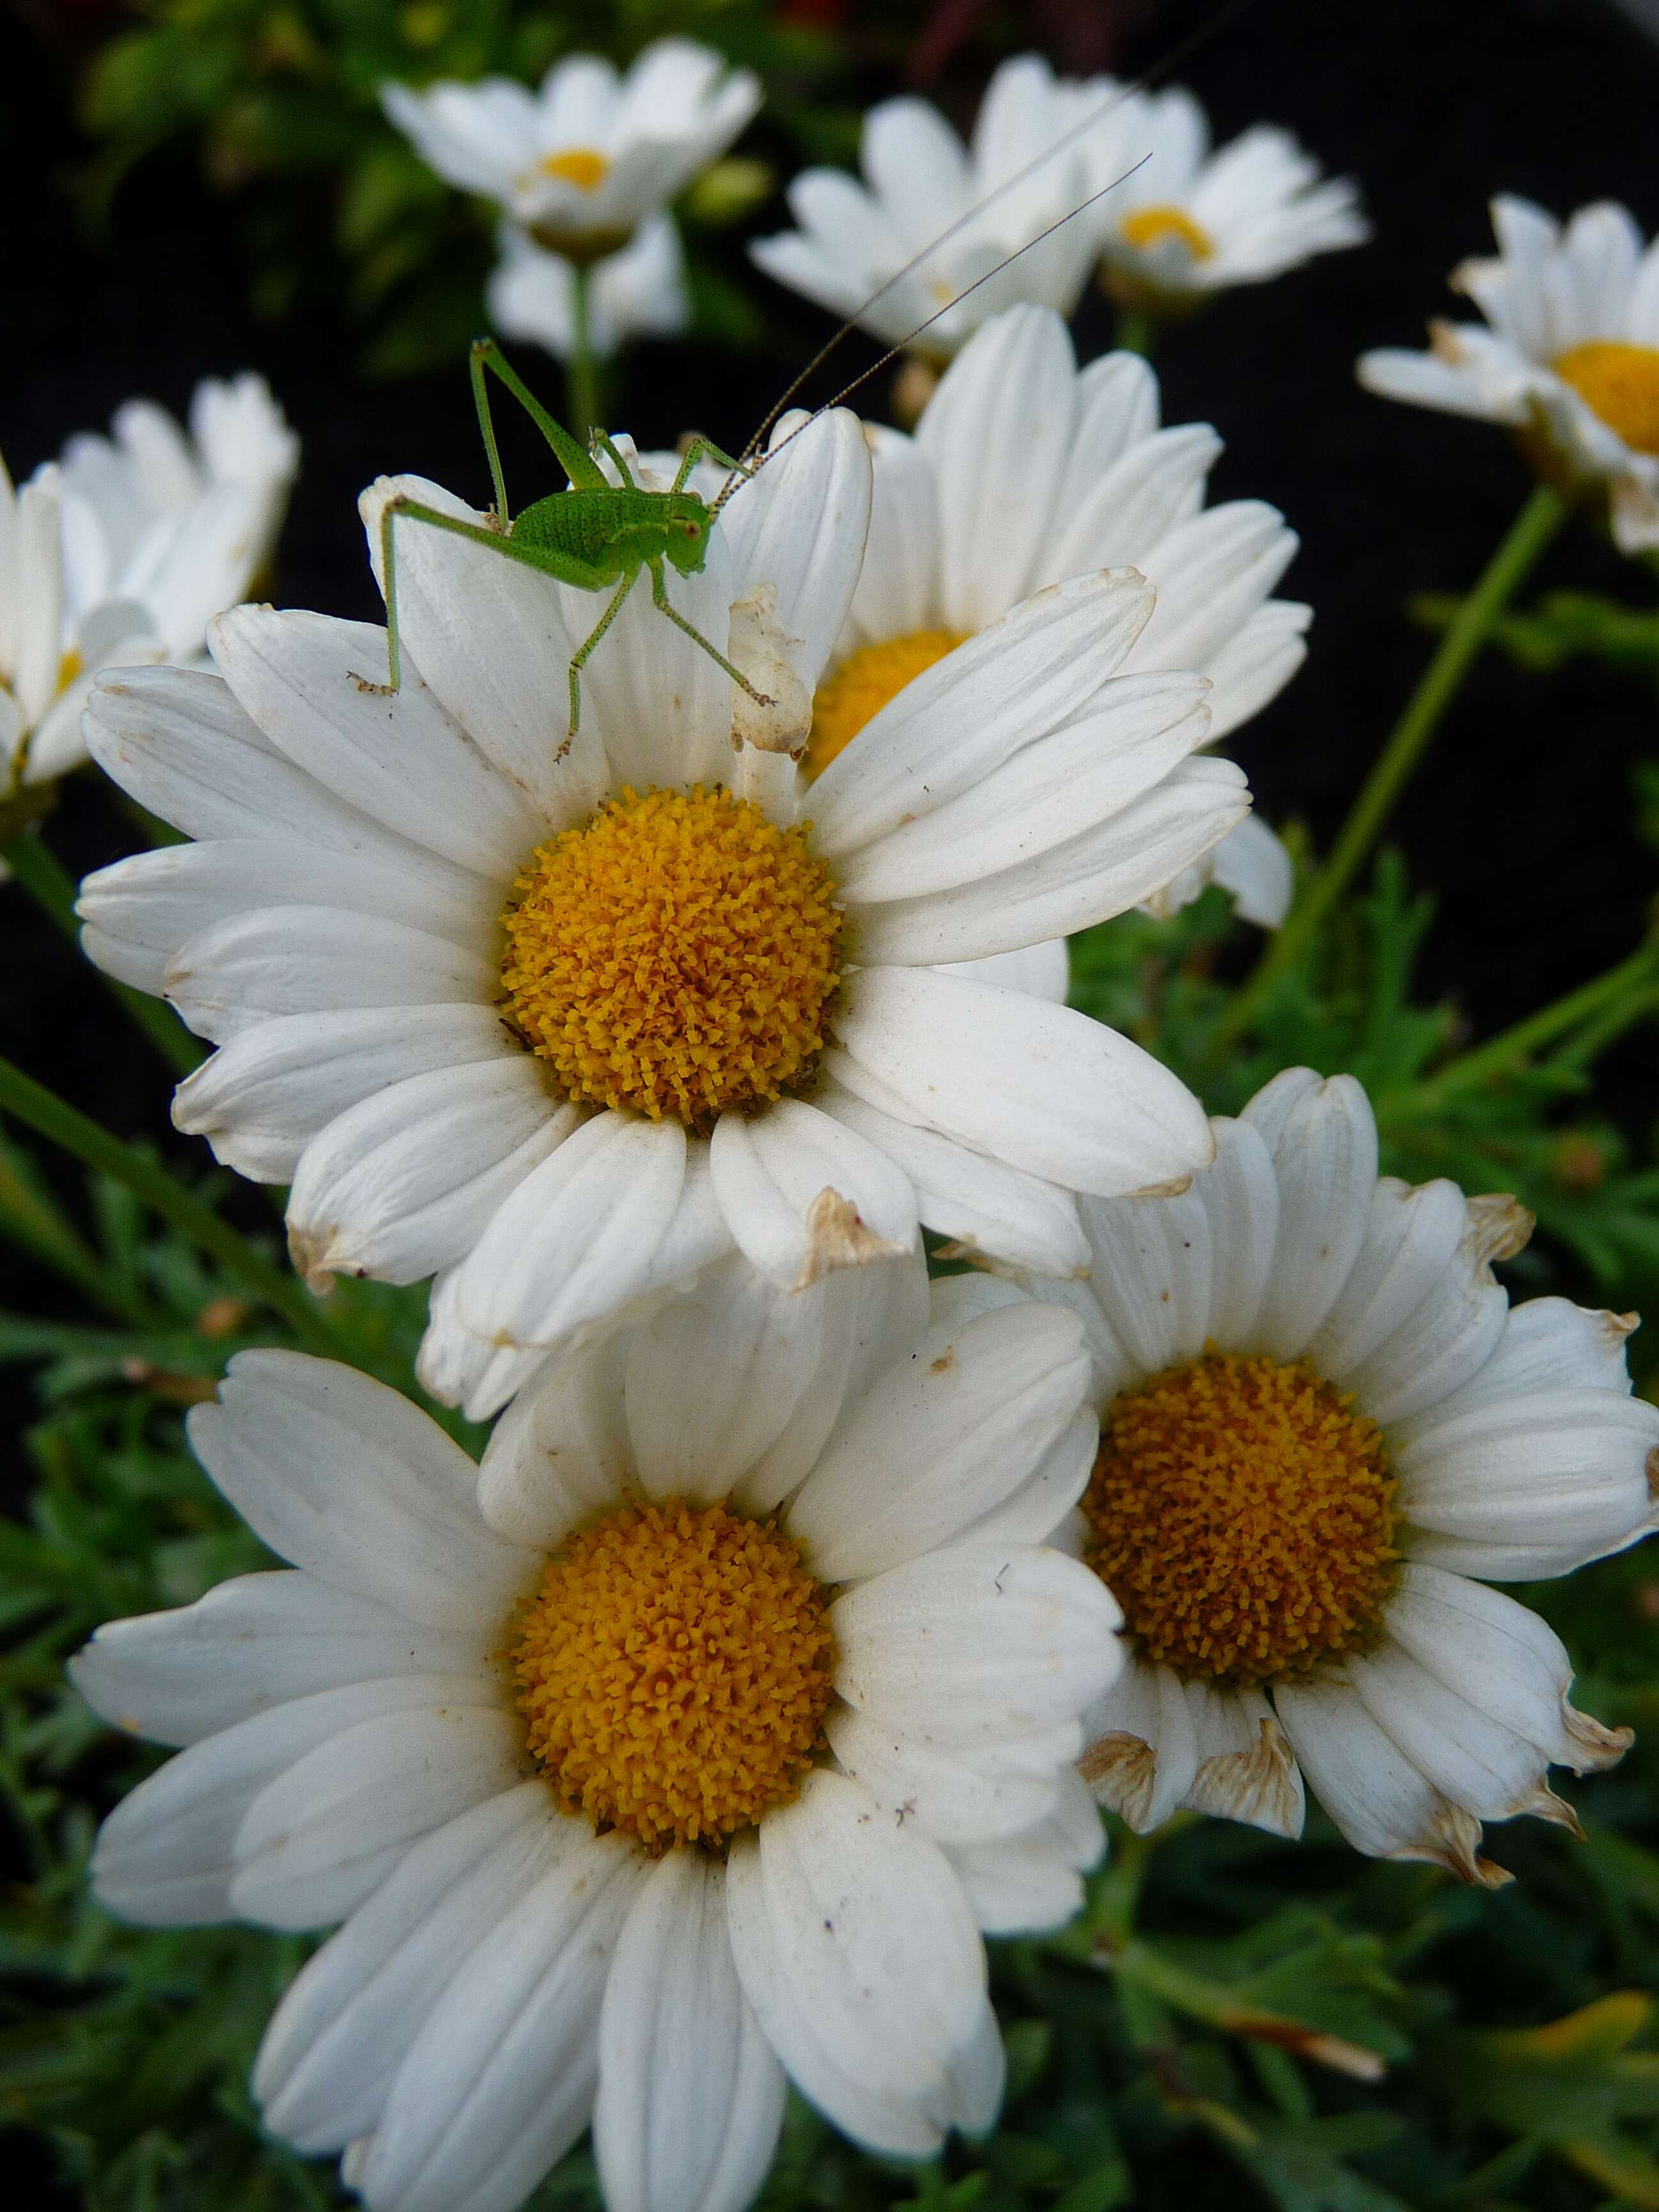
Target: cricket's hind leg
point(661, 600)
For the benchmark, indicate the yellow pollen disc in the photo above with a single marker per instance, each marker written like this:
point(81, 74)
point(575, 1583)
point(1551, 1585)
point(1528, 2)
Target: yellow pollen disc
point(585, 166)
point(70, 669)
point(674, 1670)
point(1149, 226)
point(1243, 1518)
point(863, 684)
point(676, 955)
point(1619, 383)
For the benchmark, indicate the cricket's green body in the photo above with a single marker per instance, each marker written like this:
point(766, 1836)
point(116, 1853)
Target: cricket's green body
point(594, 535)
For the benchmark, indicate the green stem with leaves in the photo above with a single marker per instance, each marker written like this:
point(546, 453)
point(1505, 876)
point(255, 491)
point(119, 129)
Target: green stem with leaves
point(582, 369)
point(41, 1109)
point(38, 870)
point(1599, 1010)
point(1508, 567)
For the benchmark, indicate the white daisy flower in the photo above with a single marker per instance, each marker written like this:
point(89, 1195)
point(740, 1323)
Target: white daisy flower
point(638, 293)
point(699, 1760)
point(1569, 355)
point(1185, 222)
point(1325, 1432)
point(584, 160)
point(920, 180)
point(123, 552)
point(1025, 470)
point(568, 1016)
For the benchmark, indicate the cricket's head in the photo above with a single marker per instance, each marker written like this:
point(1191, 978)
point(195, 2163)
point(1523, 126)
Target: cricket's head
point(686, 524)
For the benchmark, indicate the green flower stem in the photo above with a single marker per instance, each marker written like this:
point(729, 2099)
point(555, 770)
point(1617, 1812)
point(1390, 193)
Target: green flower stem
point(582, 371)
point(30, 1218)
point(1609, 1002)
point(1136, 332)
point(43, 1110)
point(36, 868)
point(1527, 537)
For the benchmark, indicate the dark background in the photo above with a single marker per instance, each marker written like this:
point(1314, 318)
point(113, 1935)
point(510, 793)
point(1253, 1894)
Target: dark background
point(1522, 821)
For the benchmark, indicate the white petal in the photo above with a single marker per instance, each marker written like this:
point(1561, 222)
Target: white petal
point(771, 1174)
point(501, 2077)
point(896, 591)
point(578, 1237)
point(1382, 1805)
point(1473, 1759)
point(405, 1182)
point(1152, 1272)
point(314, 959)
point(1142, 1746)
point(308, 681)
point(320, 1836)
point(1411, 1235)
point(1325, 1160)
point(1252, 863)
point(1547, 1344)
point(983, 1204)
point(946, 1436)
point(690, 2095)
point(351, 1480)
point(1044, 970)
point(1533, 1487)
point(164, 1856)
point(800, 526)
point(859, 1954)
point(1501, 1658)
point(977, 1643)
point(488, 635)
point(954, 1795)
point(346, 2024)
point(262, 1097)
point(754, 1351)
point(1039, 1086)
point(253, 1642)
point(1246, 1768)
point(181, 744)
point(996, 432)
point(1022, 678)
point(1023, 1885)
point(1240, 1196)
point(145, 908)
point(1133, 733)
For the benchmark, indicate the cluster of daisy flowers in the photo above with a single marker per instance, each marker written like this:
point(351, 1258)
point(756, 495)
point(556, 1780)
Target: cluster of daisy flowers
point(803, 1612)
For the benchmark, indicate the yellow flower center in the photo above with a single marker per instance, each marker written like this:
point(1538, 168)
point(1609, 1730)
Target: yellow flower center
point(864, 683)
point(585, 166)
point(1619, 383)
point(70, 669)
point(1149, 226)
point(1243, 1518)
point(674, 1670)
point(676, 956)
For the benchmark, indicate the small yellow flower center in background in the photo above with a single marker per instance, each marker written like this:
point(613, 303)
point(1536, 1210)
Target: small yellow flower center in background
point(676, 955)
point(70, 669)
point(1243, 1518)
point(674, 1670)
point(1619, 383)
point(1149, 226)
point(864, 683)
point(585, 166)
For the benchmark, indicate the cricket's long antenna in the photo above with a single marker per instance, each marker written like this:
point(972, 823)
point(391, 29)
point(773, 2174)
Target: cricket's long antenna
point(735, 481)
point(1212, 24)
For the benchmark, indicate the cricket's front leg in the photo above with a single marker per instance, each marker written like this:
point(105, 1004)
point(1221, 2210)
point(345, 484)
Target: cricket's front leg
point(660, 599)
point(579, 658)
point(694, 451)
